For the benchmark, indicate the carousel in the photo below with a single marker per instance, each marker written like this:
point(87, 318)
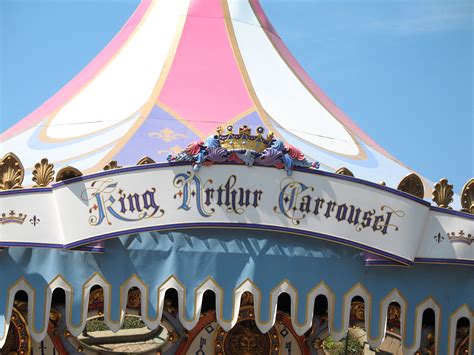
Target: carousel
point(193, 191)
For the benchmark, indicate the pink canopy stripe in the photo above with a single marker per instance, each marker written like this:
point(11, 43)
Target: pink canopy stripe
point(306, 79)
point(84, 76)
point(204, 85)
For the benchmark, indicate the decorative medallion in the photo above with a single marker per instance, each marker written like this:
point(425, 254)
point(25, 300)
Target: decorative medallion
point(12, 172)
point(443, 193)
point(243, 148)
point(66, 173)
point(412, 184)
point(245, 338)
point(43, 173)
point(467, 197)
point(344, 171)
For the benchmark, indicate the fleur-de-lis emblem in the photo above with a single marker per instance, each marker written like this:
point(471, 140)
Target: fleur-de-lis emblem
point(35, 220)
point(167, 135)
point(438, 238)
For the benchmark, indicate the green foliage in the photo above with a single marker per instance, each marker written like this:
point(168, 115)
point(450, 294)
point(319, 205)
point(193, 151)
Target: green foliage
point(98, 324)
point(339, 347)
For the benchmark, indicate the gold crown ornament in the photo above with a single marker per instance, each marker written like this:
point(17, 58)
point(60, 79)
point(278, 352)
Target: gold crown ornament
point(244, 140)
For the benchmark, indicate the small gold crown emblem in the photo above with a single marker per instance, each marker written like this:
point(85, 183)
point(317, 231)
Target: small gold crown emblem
point(461, 237)
point(12, 218)
point(244, 140)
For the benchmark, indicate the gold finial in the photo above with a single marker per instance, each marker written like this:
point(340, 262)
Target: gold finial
point(112, 165)
point(66, 173)
point(229, 129)
point(43, 173)
point(443, 193)
point(12, 172)
point(344, 171)
point(219, 130)
point(145, 161)
point(467, 197)
point(412, 184)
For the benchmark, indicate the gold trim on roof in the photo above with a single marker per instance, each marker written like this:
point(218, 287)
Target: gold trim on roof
point(443, 193)
point(412, 184)
point(12, 172)
point(112, 165)
point(12, 175)
point(467, 197)
point(66, 173)
point(43, 174)
point(344, 171)
point(145, 161)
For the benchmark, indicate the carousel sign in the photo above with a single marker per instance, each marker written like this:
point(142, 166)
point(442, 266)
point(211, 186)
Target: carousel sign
point(164, 197)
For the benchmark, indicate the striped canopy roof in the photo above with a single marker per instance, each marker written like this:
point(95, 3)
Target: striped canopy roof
point(175, 71)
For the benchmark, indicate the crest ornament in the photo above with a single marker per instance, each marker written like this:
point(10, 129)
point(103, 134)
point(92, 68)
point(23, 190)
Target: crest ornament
point(43, 173)
point(66, 173)
point(443, 193)
point(344, 171)
point(467, 197)
point(412, 184)
point(145, 161)
point(244, 148)
point(12, 172)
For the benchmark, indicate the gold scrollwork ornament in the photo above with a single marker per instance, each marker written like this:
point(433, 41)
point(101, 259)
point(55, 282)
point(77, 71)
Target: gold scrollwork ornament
point(467, 197)
point(12, 172)
point(443, 193)
point(43, 173)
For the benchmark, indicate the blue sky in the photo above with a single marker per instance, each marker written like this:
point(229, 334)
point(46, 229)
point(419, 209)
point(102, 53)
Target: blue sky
point(402, 70)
